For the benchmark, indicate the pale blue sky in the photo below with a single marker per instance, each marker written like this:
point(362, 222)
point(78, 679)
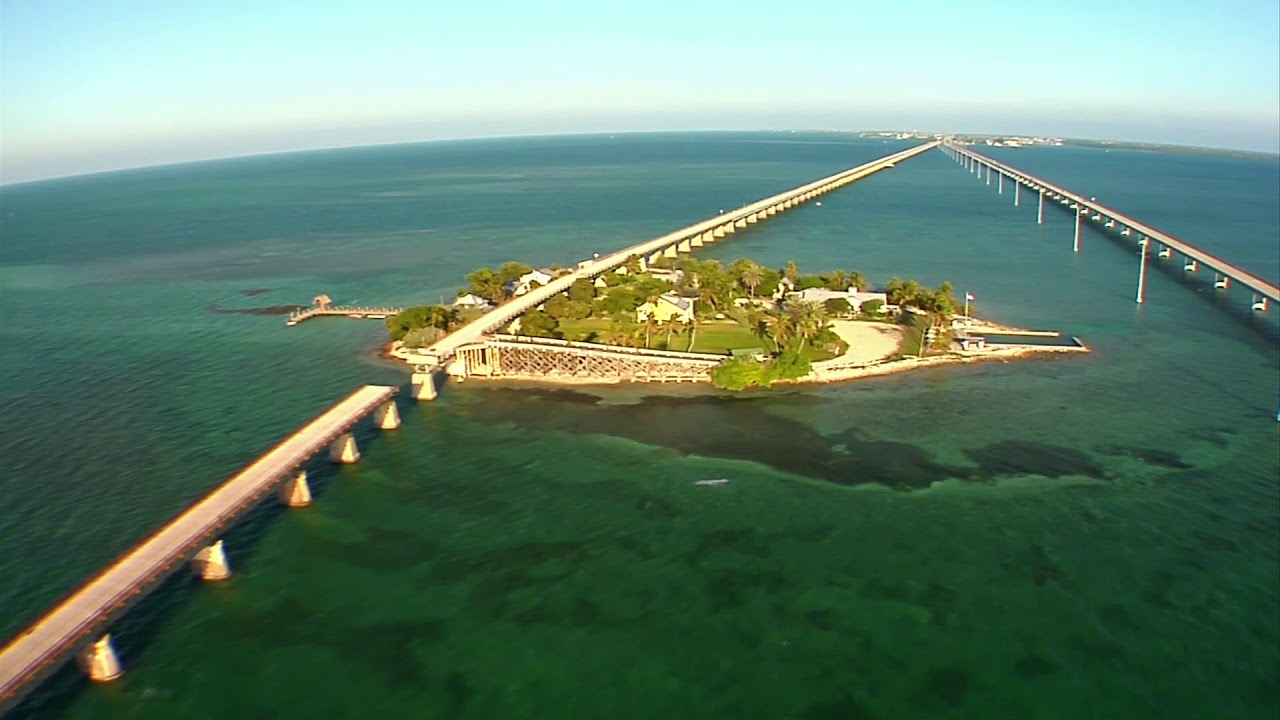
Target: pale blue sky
point(88, 85)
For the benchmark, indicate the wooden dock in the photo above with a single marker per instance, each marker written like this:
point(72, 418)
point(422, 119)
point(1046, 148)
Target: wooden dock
point(51, 638)
point(359, 313)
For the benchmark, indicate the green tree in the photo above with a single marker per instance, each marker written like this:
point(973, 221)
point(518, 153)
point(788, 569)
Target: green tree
point(670, 325)
point(485, 283)
point(806, 320)
point(769, 284)
point(562, 308)
point(439, 317)
point(512, 271)
point(836, 280)
point(751, 277)
point(791, 272)
point(792, 365)
point(621, 300)
point(872, 308)
point(858, 280)
point(538, 324)
point(582, 290)
point(837, 307)
point(740, 373)
point(650, 324)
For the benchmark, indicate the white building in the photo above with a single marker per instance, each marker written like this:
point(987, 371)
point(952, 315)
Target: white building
point(819, 296)
point(469, 300)
point(527, 280)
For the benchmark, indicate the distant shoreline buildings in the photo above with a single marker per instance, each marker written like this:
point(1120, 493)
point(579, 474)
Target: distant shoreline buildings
point(965, 139)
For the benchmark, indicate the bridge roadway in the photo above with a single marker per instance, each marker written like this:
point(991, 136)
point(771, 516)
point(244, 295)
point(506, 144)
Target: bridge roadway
point(1240, 275)
point(445, 348)
point(49, 639)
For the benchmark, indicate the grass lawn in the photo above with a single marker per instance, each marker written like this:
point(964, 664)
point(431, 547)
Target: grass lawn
point(582, 330)
point(714, 337)
point(721, 337)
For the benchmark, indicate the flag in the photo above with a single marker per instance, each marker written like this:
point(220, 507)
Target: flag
point(969, 297)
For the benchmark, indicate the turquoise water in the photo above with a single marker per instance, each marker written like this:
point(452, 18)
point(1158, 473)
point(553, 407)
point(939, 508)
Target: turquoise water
point(1093, 536)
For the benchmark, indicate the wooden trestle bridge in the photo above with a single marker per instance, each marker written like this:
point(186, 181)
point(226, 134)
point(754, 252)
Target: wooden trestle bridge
point(523, 357)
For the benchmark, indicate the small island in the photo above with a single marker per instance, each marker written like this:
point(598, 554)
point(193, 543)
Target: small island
point(749, 325)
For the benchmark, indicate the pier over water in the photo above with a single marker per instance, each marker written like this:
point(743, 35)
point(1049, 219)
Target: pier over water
point(76, 618)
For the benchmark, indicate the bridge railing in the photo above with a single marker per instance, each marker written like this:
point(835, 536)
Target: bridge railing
point(601, 347)
point(1239, 274)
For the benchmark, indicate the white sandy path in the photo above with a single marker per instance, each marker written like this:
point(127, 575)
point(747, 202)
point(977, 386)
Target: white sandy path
point(868, 342)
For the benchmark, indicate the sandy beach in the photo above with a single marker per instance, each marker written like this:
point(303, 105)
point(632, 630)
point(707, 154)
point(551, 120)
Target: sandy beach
point(867, 341)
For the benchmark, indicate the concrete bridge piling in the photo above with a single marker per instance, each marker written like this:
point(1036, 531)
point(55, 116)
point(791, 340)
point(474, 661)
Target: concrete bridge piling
point(1119, 226)
point(211, 563)
point(295, 492)
point(63, 630)
point(99, 660)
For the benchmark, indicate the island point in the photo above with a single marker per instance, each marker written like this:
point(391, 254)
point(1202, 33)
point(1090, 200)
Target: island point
point(736, 326)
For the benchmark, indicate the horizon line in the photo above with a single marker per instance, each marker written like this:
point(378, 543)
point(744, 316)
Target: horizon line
point(1171, 147)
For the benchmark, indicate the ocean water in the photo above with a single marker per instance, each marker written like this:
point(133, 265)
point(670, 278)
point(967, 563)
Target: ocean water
point(1077, 537)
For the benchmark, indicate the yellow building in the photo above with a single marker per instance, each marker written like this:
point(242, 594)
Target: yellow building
point(667, 307)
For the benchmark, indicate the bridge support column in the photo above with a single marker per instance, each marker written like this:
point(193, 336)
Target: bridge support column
point(740, 223)
point(1040, 210)
point(344, 450)
point(988, 174)
point(99, 660)
point(654, 258)
point(721, 230)
point(684, 247)
point(771, 210)
point(1259, 303)
point(387, 416)
point(1017, 194)
point(211, 563)
point(1190, 265)
point(295, 492)
point(729, 228)
point(752, 219)
point(695, 241)
point(1000, 183)
point(708, 237)
point(1079, 219)
point(1220, 281)
point(423, 384)
point(670, 252)
point(1142, 272)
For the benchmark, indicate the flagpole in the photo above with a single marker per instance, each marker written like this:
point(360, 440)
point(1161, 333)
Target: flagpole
point(966, 303)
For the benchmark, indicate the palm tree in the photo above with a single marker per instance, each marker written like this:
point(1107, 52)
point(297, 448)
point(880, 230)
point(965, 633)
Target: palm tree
point(670, 324)
point(837, 280)
point(752, 276)
point(814, 322)
point(858, 280)
point(781, 329)
point(759, 324)
point(791, 272)
point(693, 331)
point(650, 324)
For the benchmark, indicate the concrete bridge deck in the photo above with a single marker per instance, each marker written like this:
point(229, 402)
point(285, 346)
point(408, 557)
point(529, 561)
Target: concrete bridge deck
point(50, 639)
point(444, 349)
point(1240, 275)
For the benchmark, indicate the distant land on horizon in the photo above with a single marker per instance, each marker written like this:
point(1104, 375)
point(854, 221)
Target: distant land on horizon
point(975, 138)
point(1134, 145)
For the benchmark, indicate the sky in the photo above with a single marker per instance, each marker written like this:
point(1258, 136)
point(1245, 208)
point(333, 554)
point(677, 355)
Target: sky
point(93, 85)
